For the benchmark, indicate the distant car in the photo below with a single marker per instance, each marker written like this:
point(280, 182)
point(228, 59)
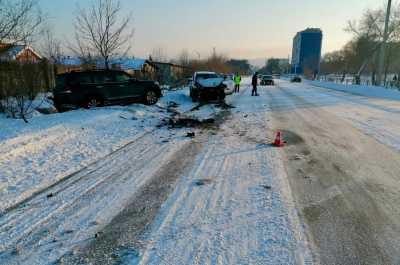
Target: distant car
point(296, 79)
point(96, 88)
point(267, 80)
point(207, 86)
point(277, 76)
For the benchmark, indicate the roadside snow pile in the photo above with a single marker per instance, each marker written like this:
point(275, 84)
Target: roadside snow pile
point(179, 97)
point(51, 147)
point(368, 91)
point(26, 108)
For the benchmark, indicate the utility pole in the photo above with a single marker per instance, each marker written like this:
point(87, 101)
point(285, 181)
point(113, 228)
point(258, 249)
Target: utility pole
point(381, 64)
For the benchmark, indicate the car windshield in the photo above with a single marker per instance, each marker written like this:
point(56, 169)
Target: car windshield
point(206, 76)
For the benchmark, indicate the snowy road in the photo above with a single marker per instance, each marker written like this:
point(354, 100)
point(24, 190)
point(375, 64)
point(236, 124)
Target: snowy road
point(234, 206)
point(344, 171)
point(226, 196)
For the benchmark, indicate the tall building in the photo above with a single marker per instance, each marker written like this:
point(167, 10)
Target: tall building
point(306, 53)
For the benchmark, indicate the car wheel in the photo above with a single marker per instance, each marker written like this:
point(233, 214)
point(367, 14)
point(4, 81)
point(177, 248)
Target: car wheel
point(151, 97)
point(93, 102)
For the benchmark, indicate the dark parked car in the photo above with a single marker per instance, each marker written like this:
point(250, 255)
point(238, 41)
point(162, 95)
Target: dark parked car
point(207, 86)
point(98, 88)
point(267, 80)
point(296, 79)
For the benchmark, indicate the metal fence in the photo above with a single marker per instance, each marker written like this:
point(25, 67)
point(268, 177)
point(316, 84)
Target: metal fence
point(367, 80)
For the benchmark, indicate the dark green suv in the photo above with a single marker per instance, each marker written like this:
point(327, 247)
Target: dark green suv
point(98, 88)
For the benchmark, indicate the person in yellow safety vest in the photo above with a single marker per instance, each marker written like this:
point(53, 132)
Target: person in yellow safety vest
point(237, 79)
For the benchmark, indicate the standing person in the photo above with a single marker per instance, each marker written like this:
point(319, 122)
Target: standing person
point(237, 79)
point(254, 82)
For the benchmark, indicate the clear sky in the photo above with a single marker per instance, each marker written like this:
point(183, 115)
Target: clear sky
point(248, 29)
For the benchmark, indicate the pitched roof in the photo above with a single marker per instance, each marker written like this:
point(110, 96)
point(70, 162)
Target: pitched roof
point(70, 61)
point(130, 64)
point(135, 64)
point(12, 51)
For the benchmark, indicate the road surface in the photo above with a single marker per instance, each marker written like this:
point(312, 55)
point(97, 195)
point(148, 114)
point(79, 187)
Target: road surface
point(330, 196)
point(344, 170)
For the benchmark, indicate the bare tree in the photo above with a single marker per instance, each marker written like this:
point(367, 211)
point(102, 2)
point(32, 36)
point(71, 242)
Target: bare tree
point(51, 47)
point(368, 35)
point(100, 31)
point(159, 54)
point(23, 87)
point(19, 20)
point(184, 58)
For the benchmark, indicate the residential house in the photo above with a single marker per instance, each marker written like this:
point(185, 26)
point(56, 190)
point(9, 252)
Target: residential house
point(139, 68)
point(19, 53)
point(68, 64)
point(170, 73)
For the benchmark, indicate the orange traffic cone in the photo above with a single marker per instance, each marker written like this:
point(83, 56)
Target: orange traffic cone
point(278, 140)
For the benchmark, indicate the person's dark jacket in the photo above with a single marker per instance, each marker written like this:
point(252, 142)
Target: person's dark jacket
point(254, 80)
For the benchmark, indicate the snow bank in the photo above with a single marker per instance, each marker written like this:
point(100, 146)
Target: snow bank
point(49, 148)
point(369, 91)
point(180, 97)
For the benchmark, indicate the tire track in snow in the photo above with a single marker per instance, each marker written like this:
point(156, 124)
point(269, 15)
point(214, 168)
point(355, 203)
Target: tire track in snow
point(86, 197)
point(231, 219)
point(96, 165)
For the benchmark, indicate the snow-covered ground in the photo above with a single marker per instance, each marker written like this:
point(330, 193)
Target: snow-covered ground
point(235, 205)
point(362, 90)
point(373, 110)
point(51, 147)
point(91, 161)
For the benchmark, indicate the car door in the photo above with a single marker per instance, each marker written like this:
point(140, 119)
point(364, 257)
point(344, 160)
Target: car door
point(104, 81)
point(126, 85)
